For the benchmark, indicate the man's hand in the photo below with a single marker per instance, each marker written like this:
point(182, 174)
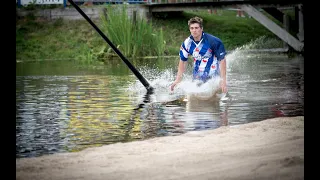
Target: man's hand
point(173, 85)
point(181, 68)
point(223, 85)
point(223, 72)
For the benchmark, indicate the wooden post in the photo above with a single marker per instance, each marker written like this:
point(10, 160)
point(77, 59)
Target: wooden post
point(286, 26)
point(134, 17)
point(104, 10)
point(301, 25)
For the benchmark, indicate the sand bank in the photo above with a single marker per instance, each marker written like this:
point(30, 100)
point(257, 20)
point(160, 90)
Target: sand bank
point(269, 149)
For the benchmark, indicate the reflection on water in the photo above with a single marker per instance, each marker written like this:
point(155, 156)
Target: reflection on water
point(68, 111)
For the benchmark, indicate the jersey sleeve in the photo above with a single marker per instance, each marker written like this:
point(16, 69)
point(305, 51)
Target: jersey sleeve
point(183, 53)
point(219, 50)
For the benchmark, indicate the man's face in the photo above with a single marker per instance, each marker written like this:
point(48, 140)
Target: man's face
point(195, 30)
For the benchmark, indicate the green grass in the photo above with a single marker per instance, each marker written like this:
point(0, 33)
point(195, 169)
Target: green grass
point(133, 38)
point(77, 39)
point(55, 40)
point(233, 31)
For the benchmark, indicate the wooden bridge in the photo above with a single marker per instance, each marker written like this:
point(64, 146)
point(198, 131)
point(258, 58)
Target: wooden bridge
point(251, 7)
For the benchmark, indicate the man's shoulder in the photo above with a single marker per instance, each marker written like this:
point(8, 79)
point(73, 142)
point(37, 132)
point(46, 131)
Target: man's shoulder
point(213, 38)
point(187, 40)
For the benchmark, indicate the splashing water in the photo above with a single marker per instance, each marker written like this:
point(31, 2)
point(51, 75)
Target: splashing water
point(200, 90)
point(161, 80)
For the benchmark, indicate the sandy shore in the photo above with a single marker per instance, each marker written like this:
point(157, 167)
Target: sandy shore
point(269, 149)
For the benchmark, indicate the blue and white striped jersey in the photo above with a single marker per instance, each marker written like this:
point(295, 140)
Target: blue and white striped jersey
point(206, 53)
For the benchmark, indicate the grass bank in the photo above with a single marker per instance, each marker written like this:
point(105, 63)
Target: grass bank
point(65, 39)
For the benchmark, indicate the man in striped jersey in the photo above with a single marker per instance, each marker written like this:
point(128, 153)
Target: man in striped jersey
point(208, 55)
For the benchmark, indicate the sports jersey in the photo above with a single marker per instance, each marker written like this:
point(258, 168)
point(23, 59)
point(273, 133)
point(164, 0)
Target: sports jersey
point(206, 53)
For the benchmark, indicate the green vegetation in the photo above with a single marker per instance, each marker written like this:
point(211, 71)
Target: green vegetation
point(38, 39)
point(234, 32)
point(56, 40)
point(134, 38)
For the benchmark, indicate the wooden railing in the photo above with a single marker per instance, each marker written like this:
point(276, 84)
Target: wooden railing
point(154, 2)
point(65, 2)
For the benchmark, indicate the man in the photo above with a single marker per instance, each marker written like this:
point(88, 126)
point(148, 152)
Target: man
point(208, 55)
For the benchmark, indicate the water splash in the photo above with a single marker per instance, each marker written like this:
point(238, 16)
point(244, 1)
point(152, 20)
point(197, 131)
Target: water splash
point(236, 57)
point(199, 89)
point(161, 80)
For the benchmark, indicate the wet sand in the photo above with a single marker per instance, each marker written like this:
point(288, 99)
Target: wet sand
point(269, 149)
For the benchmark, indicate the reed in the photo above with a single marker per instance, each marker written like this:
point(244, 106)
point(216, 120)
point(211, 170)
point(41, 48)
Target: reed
point(133, 37)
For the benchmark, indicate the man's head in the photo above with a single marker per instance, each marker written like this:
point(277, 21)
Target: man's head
point(195, 27)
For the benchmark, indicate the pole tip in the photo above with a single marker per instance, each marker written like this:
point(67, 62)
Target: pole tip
point(150, 90)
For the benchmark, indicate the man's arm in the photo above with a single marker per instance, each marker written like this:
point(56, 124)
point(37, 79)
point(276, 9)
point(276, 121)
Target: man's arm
point(223, 75)
point(181, 68)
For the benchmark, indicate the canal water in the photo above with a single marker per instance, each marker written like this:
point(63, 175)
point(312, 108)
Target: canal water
point(65, 106)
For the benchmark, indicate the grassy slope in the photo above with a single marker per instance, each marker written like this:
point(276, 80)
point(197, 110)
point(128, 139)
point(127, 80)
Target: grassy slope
point(233, 31)
point(77, 39)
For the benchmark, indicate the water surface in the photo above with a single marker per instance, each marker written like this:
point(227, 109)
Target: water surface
point(62, 106)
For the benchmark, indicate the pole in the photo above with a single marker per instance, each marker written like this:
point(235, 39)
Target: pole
point(131, 67)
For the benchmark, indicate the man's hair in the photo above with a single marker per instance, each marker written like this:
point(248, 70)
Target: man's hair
point(195, 20)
